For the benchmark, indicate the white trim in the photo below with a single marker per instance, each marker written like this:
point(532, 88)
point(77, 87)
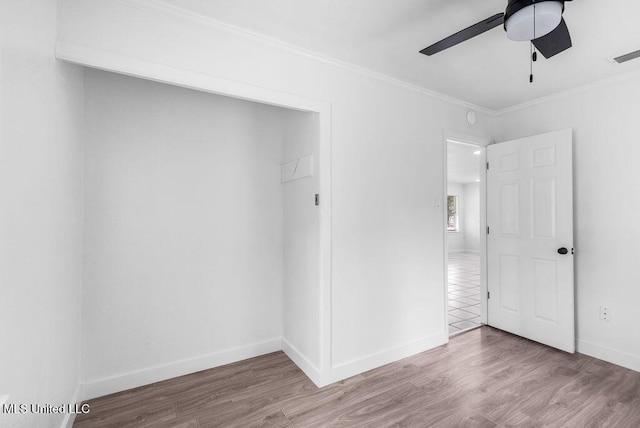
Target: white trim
point(467, 139)
point(369, 362)
point(629, 75)
point(69, 418)
point(484, 261)
point(482, 144)
point(445, 234)
point(614, 356)
point(177, 13)
point(174, 12)
point(326, 238)
point(157, 72)
point(146, 376)
point(310, 369)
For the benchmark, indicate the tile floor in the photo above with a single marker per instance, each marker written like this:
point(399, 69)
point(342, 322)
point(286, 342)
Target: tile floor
point(464, 291)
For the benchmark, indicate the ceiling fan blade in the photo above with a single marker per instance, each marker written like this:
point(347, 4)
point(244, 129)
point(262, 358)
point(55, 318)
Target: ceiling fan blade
point(465, 34)
point(555, 42)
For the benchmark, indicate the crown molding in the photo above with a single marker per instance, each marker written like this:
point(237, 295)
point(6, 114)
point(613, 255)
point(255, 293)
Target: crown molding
point(178, 13)
point(169, 11)
point(618, 78)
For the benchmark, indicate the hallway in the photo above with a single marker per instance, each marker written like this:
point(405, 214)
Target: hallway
point(464, 291)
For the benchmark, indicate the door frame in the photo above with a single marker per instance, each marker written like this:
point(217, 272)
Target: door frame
point(482, 144)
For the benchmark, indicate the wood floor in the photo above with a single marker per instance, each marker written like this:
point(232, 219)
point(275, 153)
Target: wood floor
point(482, 378)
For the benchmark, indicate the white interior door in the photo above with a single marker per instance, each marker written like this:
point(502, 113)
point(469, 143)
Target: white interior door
point(530, 219)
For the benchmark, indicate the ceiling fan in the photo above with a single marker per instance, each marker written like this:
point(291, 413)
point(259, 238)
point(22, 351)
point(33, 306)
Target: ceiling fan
point(540, 22)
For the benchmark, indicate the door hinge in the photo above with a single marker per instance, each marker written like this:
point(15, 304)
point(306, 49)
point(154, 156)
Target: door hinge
point(487, 166)
point(488, 294)
point(317, 199)
point(487, 230)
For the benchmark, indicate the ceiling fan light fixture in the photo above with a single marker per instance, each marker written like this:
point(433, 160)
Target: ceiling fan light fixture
point(520, 25)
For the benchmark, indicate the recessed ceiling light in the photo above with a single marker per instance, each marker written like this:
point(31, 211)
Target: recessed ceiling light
point(477, 152)
point(478, 180)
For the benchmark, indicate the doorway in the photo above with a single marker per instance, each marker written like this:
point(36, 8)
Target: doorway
point(465, 237)
point(526, 196)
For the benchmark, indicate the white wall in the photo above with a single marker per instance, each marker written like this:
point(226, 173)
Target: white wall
point(183, 231)
point(468, 237)
point(301, 288)
point(606, 200)
point(387, 150)
point(471, 216)
point(456, 239)
point(40, 218)
point(387, 292)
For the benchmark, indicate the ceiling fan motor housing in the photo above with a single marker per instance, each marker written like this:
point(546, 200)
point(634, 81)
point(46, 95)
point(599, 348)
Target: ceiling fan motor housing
point(518, 23)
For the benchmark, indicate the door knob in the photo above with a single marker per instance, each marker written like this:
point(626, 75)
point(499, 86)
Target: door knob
point(562, 250)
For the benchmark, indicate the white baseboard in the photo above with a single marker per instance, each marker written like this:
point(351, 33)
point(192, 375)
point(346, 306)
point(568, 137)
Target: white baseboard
point(69, 418)
point(464, 251)
point(610, 355)
point(310, 369)
point(134, 379)
point(352, 368)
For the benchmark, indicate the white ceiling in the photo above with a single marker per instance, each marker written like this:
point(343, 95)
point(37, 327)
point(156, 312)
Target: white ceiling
point(490, 70)
point(463, 163)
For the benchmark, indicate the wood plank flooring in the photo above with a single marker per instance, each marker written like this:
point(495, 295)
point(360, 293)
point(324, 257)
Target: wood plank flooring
point(482, 378)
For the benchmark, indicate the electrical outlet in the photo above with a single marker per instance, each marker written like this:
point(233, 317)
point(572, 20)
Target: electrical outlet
point(605, 313)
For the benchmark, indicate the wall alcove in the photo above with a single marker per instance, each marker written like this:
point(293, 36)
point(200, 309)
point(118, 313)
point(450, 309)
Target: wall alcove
point(203, 233)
